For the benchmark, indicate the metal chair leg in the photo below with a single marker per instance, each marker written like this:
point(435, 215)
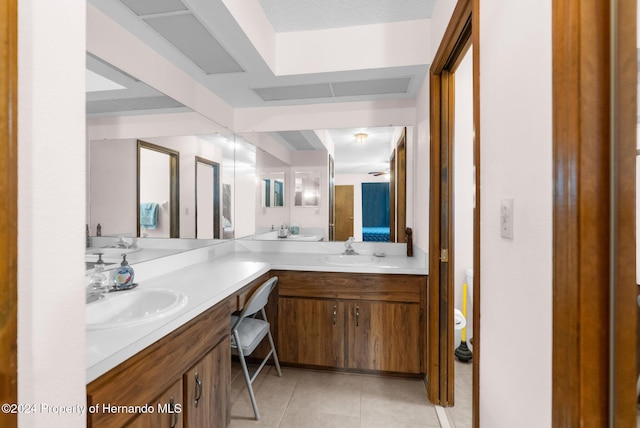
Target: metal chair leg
point(275, 354)
point(247, 379)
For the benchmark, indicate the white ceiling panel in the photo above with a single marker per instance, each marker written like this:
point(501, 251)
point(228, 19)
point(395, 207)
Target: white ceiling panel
point(191, 38)
point(297, 92)
point(353, 158)
point(296, 15)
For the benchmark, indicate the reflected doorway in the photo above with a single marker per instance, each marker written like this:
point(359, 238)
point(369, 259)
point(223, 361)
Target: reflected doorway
point(157, 198)
point(207, 199)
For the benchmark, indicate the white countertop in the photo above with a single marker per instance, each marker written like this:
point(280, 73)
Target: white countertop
point(390, 264)
point(207, 283)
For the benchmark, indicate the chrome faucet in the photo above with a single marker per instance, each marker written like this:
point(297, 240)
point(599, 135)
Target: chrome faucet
point(122, 243)
point(349, 247)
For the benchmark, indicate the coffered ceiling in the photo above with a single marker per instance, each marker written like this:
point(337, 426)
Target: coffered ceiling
point(221, 51)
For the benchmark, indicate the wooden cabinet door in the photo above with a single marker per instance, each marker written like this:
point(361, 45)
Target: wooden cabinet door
point(311, 331)
point(384, 336)
point(206, 395)
point(167, 410)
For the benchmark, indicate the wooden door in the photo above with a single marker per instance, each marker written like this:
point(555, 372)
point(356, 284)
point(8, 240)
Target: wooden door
point(384, 336)
point(311, 332)
point(167, 410)
point(206, 395)
point(9, 209)
point(455, 43)
point(344, 212)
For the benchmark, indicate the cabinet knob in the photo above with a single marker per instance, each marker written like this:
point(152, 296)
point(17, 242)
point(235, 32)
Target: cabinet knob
point(357, 316)
point(335, 314)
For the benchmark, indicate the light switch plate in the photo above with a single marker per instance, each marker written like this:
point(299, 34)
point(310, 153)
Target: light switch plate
point(506, 218)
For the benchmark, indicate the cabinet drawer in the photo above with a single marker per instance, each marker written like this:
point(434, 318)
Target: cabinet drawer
point(354, 286)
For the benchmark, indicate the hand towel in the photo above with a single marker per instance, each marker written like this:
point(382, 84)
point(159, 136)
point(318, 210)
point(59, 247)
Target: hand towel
point(149, 215)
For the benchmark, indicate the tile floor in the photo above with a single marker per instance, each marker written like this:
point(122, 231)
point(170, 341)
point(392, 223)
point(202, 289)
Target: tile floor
point(460, 414)
point(310, 399)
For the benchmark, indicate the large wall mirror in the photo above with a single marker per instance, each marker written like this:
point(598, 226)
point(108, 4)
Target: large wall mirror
point(340, 183)
point(352, 182)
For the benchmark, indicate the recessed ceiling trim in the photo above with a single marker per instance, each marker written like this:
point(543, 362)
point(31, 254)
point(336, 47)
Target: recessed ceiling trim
point(337, 89)
point(372, 87)
point(145, 7)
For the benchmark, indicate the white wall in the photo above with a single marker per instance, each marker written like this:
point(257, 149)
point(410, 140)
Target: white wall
point(51, 202)
point(244, 206)
point(516, 159)
point(463, 182)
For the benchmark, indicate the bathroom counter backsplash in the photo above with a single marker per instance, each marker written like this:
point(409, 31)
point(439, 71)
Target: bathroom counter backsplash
point(383, 257)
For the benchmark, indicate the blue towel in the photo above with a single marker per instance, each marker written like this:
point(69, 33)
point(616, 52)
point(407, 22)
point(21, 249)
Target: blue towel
point(149, 215)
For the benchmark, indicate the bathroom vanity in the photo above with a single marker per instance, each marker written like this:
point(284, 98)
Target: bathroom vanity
point(357, 321)
point(174, 371)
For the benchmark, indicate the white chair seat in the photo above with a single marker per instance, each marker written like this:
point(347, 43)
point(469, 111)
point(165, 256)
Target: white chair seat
point(251, 332)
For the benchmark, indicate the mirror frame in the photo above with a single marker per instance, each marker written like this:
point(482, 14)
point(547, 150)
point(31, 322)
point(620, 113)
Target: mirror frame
point(216, 196)
point(174, 189)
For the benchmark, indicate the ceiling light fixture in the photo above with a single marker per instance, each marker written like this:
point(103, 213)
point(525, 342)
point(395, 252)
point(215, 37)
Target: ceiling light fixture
point(361, 137)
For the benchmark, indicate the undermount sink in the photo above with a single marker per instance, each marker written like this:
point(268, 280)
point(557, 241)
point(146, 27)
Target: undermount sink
point(350, 260)
point(127, 308)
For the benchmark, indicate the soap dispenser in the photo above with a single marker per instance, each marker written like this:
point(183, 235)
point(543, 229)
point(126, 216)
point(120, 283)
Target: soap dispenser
point(98, 278)
point(123, 276)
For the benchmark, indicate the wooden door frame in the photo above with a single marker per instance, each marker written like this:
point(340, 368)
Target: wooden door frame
point(461, 32)
point(174, 179)
point(9, 209)
point(217, 230)
point(401, 187)
point(393, 179)
point(594, 150)
point(332, 198)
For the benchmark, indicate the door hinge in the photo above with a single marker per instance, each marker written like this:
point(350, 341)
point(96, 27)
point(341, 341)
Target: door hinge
point(444, 256)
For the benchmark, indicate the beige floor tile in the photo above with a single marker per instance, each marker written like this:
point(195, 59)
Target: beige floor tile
point(332, 393)
point(397, 401)
point(273, 391)
point(460, 415)
point(377, 423)
point(242, 416)
point(239, 386)
point(306, 419)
